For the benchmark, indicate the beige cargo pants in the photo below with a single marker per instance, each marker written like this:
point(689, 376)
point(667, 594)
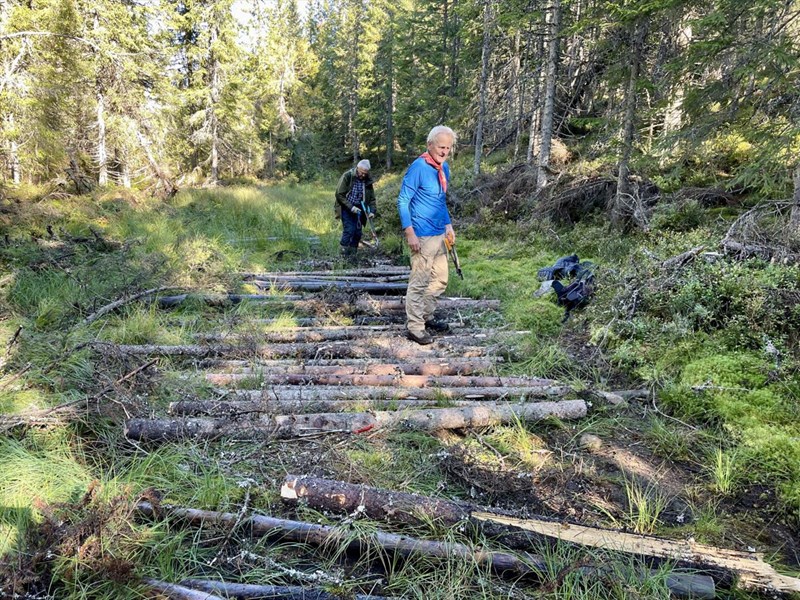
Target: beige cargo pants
point(428, 280)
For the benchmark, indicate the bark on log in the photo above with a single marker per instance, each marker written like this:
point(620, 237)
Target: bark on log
point(298, 531)
point(370, 306)
point(428, 366)
point(399, 349)
point(753, 573)
point(416, 509)
point(175, 591)
point(290, 426)
point(220, 408)
point(405, 381)
point(223, 299)
point(245, 591)
point(319, 286)
point(292, 335)
point(366, 272)
point(321, 321)
point(454, 366)
point(269, 278)
point(333, 392)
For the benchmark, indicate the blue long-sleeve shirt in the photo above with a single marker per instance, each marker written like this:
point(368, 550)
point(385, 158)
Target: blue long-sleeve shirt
point(421, 202)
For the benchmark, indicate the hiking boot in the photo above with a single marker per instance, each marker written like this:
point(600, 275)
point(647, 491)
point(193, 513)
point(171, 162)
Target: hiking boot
point(437, 326)
point(423, 339)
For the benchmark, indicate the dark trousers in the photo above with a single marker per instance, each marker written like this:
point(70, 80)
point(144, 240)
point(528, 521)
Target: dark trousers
point(351, 229)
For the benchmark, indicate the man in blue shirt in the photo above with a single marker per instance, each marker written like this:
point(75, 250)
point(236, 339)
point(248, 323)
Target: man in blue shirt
point(426, 222)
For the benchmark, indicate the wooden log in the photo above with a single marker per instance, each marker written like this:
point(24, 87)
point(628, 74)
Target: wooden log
point(395, 380)
point(753, 573)
point(395, 287)
point(283, 277)
point(175, 591)
point(223, 299)
point(123, 301)
point(246, 591)
point(454, 366)
point(365, 272)
point(220, 408)
point(374, 305)
point(311, 533)
point(416, 509)
point(292, 335)
point(334, 392)
point(398, 349)
point(322, 321)
point(379, 504)
point(428, 366)
point(299, 425)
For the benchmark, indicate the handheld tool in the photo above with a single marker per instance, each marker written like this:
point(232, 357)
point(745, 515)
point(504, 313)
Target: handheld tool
point(451, 250)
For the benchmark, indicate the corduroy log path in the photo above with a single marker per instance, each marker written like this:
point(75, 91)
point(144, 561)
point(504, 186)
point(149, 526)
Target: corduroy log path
point(321, 376)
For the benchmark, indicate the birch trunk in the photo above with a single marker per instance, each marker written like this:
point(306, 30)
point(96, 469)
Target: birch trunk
point(102, 151)
point(484, 84)
point(550, 94)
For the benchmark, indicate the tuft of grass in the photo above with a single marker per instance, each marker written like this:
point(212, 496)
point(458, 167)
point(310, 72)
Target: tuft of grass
point(724, 471)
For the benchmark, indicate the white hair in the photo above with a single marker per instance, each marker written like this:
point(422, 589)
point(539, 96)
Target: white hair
point(441, 130)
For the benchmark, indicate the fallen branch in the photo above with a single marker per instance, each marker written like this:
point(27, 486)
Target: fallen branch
point(242, 591)
point(179, 592)
point(122, 302)
point(682, 259)
point(311, 533)
point(290, 426)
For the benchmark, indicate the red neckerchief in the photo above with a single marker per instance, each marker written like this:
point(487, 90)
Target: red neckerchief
point(442, 179)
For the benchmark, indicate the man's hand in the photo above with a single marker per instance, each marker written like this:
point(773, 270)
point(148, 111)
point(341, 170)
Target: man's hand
point(412, 239)
point(450, 234)
point(371, 215)
point(355, 210)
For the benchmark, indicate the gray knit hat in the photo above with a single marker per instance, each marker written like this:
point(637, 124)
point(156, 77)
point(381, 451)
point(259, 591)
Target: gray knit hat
point(363, 165)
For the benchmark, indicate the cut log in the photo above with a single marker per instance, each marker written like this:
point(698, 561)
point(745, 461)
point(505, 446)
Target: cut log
point(396, 380)
point(454, 366)
point(290, 426)
point(311, 533)
point(220, 408)
point(123, 301)
point(428, 366)
point(379, 504)
point(397, 348)
point(334, 392)
point(268, 279)
point(374, 305)
point(180, 592)
point(223, 299)
point(322, 321)
point(245, 591)
point(415, 510)
point(292, 335)
point(366, 272)
point(347, 286)
point(753, 573)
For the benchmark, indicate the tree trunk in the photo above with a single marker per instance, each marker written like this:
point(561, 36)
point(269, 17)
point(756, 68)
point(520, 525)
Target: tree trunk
point(673, 116)
point(214, 95)
point(794, 219)
point(536, 101)
point(624, 203)
point(312, 533)
point(102, 151)
point(390, 90)
point(291, 426)
point(319, 286)
point(483, 91)
point(550, 94)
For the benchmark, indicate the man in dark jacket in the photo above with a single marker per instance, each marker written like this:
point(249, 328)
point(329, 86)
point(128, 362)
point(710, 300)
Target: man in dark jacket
point(354, 192)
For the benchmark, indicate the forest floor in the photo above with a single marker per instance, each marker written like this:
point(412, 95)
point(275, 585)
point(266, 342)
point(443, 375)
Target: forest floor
point(71, 479)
